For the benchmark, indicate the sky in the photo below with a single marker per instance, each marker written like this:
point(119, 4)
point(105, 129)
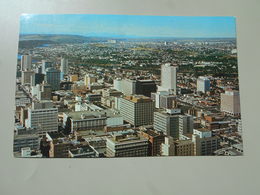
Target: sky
point(129, 25)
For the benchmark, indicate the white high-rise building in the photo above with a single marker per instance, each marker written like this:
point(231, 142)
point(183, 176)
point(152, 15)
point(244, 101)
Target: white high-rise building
point(26, 63)
point(203, 84)
point(45, 65)
point(64, 67)
point(230, 102)
point(168, 78)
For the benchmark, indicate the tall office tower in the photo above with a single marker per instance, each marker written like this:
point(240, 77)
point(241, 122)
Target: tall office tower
point(37, 78)
point(203, 84)
point(137, 110)
point(167, 122)
point(45, 65)
point(64, 67)
point(145, 87)
point(127, 146)
point(185, 124)
point(26, 63)
point(168, 78)
point(204, 143)
point(154, 141)
point(43, 117)
point(53, 78)
point(230, 102)
point(26, 77)
point(139, 87)
point(89, 79)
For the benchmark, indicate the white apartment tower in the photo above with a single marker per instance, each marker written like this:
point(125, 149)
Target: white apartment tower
point(64, 67)
point(168, 78)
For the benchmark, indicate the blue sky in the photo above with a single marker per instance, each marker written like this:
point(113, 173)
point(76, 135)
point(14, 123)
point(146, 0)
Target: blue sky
point(128, 25)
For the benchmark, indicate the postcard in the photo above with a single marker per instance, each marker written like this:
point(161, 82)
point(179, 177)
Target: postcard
point(104, 86)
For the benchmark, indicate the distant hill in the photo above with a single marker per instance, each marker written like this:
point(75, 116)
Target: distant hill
point(35, 40)
point(54, 38)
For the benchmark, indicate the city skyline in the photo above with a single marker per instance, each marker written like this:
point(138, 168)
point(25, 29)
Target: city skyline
point(108, 97)
point(129, 26)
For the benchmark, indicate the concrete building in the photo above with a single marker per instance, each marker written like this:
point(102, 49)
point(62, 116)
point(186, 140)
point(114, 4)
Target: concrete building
point(89, 79)
point(26, 62)
point(168, 78)
point(203, 84)
point(185, 124)
point(183, 148)
point(204, 143)
point(145, 87)
point(138, 87)
point(59, 145)
point(53, 78)
point(127, 146)
point(167, 123)
point(118, 84)
point(28, 153)
point(37, 78)
point(26, 77)
point(43, 117)
point(45, 65)
point(167, 101)
point(26, 140)
point(83, 151)
point(111, 92)
point(92, 120)
point(157, 97)
point(230, 102)
point(167, 148)
point(64, 66)
point(137, 110)
point(155, 140)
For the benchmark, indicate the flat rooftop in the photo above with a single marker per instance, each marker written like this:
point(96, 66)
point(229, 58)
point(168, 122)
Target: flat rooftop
point(138, 98)
point(92, 114)
point(124, 139)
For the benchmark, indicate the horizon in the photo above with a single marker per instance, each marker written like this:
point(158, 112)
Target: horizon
point(128, 26)
point(126, 37)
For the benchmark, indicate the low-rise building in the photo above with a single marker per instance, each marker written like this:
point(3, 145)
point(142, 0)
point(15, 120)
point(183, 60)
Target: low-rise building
point(130, 145)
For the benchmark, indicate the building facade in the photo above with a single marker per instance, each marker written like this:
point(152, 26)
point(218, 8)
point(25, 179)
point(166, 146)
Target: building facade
point(203, 84)
point(230, 103)
point(137, 110)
